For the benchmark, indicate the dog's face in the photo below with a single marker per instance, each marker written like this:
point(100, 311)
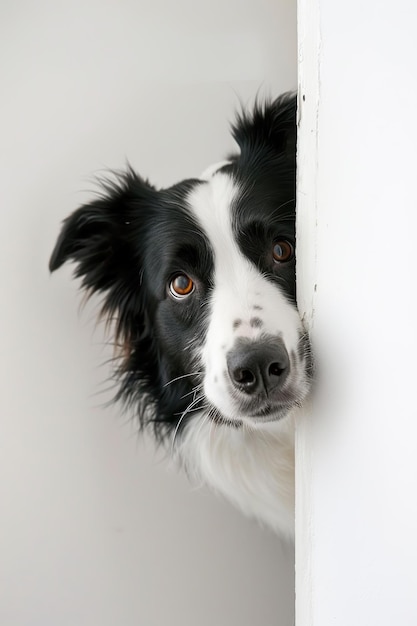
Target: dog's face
point(250, 352)
point(200, 280)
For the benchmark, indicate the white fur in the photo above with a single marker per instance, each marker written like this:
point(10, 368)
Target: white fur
point(253, 467)
point(252, 463)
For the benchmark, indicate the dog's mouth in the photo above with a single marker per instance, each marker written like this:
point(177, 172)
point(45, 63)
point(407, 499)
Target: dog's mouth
point(271, 412)
point(263, 414)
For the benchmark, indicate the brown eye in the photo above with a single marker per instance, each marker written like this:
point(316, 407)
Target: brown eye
point(181, 286)
point(282, 251)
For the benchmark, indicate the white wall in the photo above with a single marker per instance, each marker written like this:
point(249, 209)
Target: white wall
point(93, 528)
point(357, 461)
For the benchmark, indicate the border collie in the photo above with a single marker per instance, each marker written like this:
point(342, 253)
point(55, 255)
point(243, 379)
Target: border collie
point(198, 281)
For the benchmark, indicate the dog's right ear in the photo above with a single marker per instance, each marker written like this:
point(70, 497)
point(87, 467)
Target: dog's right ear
point(98, 236)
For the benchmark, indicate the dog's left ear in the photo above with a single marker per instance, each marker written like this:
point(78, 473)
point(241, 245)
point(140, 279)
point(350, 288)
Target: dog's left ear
point(270, 129)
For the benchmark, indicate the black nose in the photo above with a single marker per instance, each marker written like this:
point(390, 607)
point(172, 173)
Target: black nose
point(258, 367)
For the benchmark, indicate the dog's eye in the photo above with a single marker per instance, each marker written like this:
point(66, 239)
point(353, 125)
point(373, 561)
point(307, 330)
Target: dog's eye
point(282, 251)
point(181, 286)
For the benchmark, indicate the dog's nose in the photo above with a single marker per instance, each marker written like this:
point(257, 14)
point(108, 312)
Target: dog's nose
point(258, 367)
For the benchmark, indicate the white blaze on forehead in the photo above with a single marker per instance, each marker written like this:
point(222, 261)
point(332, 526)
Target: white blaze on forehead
point(241, 284)
point(211, 203)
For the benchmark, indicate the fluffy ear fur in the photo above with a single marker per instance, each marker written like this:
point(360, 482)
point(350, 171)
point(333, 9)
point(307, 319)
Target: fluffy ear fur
point(101, 238)
point(96, 235)
point(270, 130)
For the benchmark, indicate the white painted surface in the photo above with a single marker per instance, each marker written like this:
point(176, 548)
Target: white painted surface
point(357, 505)
point(307, 212)
point(93, 528)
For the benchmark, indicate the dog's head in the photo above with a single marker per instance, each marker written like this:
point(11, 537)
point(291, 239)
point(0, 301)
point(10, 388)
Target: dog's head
point(199, 279)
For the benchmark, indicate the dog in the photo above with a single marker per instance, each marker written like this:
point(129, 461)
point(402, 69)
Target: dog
point(198, 281)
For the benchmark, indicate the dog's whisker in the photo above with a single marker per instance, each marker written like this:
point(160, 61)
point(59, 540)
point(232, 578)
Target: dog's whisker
point(193, 410)
point(173, 380)
point(192, 392)
point(183, 415)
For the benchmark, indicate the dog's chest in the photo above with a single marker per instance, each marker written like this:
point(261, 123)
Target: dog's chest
point(253, 468)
